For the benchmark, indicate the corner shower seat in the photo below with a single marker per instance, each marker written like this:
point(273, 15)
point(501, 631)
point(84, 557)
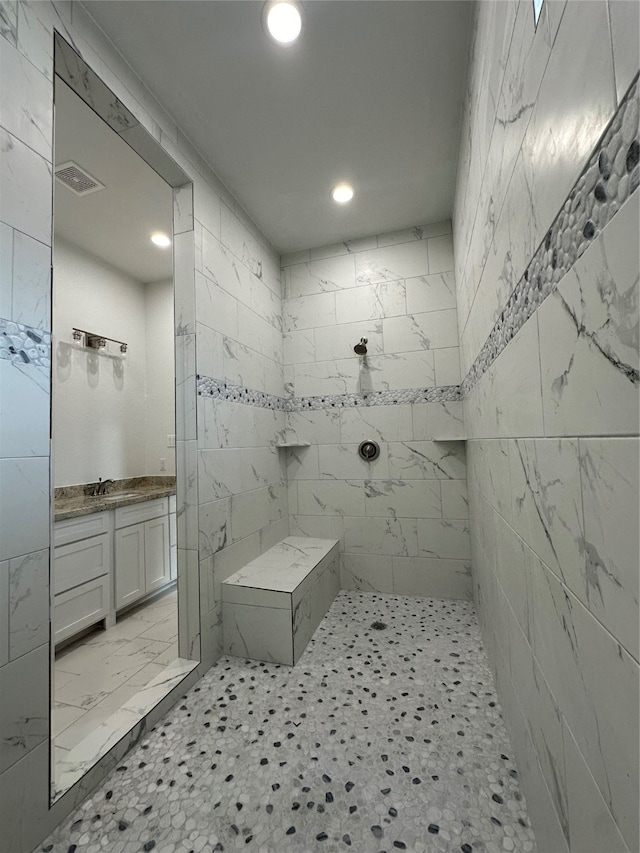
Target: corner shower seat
point(272, 606)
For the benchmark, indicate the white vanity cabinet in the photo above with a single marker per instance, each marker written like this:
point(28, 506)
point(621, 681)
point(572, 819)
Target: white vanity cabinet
point(142, 557)
point(83, 569)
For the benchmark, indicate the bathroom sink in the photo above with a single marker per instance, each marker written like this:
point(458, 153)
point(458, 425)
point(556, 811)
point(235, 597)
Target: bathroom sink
point(119, 496)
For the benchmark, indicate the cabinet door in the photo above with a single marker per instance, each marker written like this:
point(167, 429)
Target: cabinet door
point(156, 538)
point(130, 559)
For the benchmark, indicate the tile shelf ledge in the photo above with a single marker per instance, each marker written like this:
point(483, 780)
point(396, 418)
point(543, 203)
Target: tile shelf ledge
point(449, 438)
point(293, 444)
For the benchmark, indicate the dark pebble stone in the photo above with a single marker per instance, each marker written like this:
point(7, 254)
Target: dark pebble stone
point(322, 836)
point(353, 809)
point(400, 845)
point(385, 791)
point(393, 812)
point(108, 795)
point(149, 846)
point(264, 761)
point(310, 804)
point(147, 810)
point(291, 830)
point(275, 786)
point(320, 809)
point(295, 807)
point(497, 798)
point(433, 828)
point(604, 165)
point(269, 809)
point(239, 806)
point(348, 787)
point(467, 848)
point(328, 797)
point(547, 244)
point(76, 824)
point(72, 848)
point(326, 778)
point(122, 825)
point(248, 839)
point(633, 155)
point(496, 822)
point(48, 848)
point(377, 831)
point(347, 840)
point(229, 777)
point(589, 229)
point(235, 829)
point(416, 781)
point(599, 192)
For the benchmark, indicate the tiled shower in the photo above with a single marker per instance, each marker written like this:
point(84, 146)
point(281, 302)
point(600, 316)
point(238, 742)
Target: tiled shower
point(502, 358)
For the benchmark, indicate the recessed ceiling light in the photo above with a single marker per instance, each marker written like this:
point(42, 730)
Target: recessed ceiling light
point(160, 239)
point(284, 21)
point(342, 193)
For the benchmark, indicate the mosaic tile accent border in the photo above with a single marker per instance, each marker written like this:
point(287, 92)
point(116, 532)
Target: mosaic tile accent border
point(23, 345)
point(221, 390)
point(609, 178)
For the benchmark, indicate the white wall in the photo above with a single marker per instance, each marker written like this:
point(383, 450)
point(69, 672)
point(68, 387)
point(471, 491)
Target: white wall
point(401, 519)
point(553, 421)
point(98, 396)
point(160, 418)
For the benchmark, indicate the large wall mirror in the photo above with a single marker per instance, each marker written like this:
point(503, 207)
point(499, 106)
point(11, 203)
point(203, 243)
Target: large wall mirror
point(125, 626)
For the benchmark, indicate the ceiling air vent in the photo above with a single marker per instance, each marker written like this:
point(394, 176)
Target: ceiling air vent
point(77, 179)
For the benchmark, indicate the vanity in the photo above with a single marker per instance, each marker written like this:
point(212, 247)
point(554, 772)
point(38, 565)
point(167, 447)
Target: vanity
point(111, 550)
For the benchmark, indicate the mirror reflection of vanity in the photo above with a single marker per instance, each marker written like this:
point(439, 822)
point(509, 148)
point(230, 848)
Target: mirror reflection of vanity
point(124, 619)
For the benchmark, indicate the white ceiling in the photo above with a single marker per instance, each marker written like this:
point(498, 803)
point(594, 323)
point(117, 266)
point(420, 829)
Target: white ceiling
point(113, 224)
point(370, 94)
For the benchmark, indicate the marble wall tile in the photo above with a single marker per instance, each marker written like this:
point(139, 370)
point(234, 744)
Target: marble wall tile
point(259, 633)
point(556, 151)
point(183, 209)
point(299, 347)
point(431, 293)
point(340, 461)
point(260, 335)
point(31, 299)
point(250, 512)
point(28, 603)
point(6, 270)
point(334, 341)
point(243, 365)
point(447, 366)
point(214, 527)
point(302, 463)
point(317, 526)
point(397, 370)
point(403, 498)
point(624, 19)
point(419, 232)
point(446, 539)
point(319, 276)
point(596, 685)
point(24, 706)
point(609, 473)
point(438, 420)
point(432, 330)
point(546, 503)
point(220, 266)
point(4, 612)
point(25, 101)
point(432, 578)
point(24, 429)
point(395, 537)
point(488, 470)
point(591, 826)
point(341, 376)
point(24, 506)
point(25, 189)
point(427, 460)
point(27, 781)
point(326, 497)
point(209, 351)
point(455, 503)
point(9, 21)
point(513, 566)
point(187, 494)
point(589, 336)
point(183, 279)
point(382, 423)
point(318, 427)
point(216, 306)
point(309, 312)
point(440, 254)
point(186, 421)
point(367, 572)
point(392, 263)
point(370, 302)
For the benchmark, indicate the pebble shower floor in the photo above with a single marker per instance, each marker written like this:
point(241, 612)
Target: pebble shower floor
point(379, 739)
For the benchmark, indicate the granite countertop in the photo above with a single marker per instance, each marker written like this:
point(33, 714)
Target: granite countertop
point(74, 501)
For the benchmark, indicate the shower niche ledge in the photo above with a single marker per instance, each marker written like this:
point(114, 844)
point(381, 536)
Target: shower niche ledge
point(293, 443)
point(290, 438)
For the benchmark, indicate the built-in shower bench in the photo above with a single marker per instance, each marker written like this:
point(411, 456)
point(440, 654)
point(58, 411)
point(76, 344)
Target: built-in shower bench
point(272, 606)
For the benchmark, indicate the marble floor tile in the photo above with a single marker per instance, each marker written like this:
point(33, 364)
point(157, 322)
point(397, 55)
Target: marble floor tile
point(387, 738)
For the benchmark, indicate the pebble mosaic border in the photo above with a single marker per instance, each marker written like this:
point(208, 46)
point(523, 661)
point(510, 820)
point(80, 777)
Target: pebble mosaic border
point(219, 389)
point(24, 345)
point(609, 178)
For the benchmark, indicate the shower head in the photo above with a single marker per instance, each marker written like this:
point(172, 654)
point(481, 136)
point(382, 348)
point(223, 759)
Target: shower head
point(361, 348)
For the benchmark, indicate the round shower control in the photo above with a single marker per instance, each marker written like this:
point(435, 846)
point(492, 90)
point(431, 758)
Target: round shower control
point(369, 450)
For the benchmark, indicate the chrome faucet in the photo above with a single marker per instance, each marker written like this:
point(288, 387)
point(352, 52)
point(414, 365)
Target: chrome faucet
point(100, 488)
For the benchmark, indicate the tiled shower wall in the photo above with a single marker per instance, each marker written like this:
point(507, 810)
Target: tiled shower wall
point(237, 305)
point(401, 519)
point(553, 420)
